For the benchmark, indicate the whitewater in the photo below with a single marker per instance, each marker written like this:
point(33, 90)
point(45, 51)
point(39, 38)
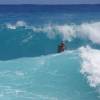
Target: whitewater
point(31, 68)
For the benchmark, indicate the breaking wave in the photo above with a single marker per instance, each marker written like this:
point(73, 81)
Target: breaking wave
point(85, 30)
point(17, 24)
point(31, 68)
point(68, 32)
point(90, 65)
point(59, 75)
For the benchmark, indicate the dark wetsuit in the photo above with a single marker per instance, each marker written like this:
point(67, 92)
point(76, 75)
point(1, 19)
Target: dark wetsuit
point(61, 47)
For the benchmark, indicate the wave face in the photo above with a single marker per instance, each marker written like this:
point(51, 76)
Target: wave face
point(31, 69)
point(54, 77)
point(28, 38)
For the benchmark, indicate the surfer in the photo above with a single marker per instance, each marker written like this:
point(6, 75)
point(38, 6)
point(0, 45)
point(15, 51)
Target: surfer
point(61, 47)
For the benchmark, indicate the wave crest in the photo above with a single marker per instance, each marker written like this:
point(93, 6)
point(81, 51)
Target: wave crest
point(16, 25)
point(88, 31)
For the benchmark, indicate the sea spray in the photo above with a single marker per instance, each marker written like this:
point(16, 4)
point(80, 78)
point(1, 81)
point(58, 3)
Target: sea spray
point(85, 30)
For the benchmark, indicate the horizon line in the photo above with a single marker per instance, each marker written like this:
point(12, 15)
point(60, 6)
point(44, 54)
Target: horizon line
point(53, 4)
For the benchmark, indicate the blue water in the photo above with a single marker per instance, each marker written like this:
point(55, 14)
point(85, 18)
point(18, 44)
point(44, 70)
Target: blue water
point(31, 69)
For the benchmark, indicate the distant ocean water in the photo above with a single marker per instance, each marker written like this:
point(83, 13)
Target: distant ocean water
point(31, 69)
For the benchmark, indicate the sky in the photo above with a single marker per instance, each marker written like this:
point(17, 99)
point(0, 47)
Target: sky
point(49, 1)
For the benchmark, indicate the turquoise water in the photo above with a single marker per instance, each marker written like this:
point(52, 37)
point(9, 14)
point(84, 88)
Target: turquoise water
point(54, 77)
point(31, 69)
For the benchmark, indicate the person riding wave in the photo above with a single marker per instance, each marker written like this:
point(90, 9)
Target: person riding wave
point(61, 47)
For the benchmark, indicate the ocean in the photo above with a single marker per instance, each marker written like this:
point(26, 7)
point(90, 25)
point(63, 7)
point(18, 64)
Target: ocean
point(31, 68)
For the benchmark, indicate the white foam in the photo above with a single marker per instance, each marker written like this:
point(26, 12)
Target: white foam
point(20, 24)
point(17, 24)
point(10, 26)
point(66, 31)
point(90, 31)
point(91, 65)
